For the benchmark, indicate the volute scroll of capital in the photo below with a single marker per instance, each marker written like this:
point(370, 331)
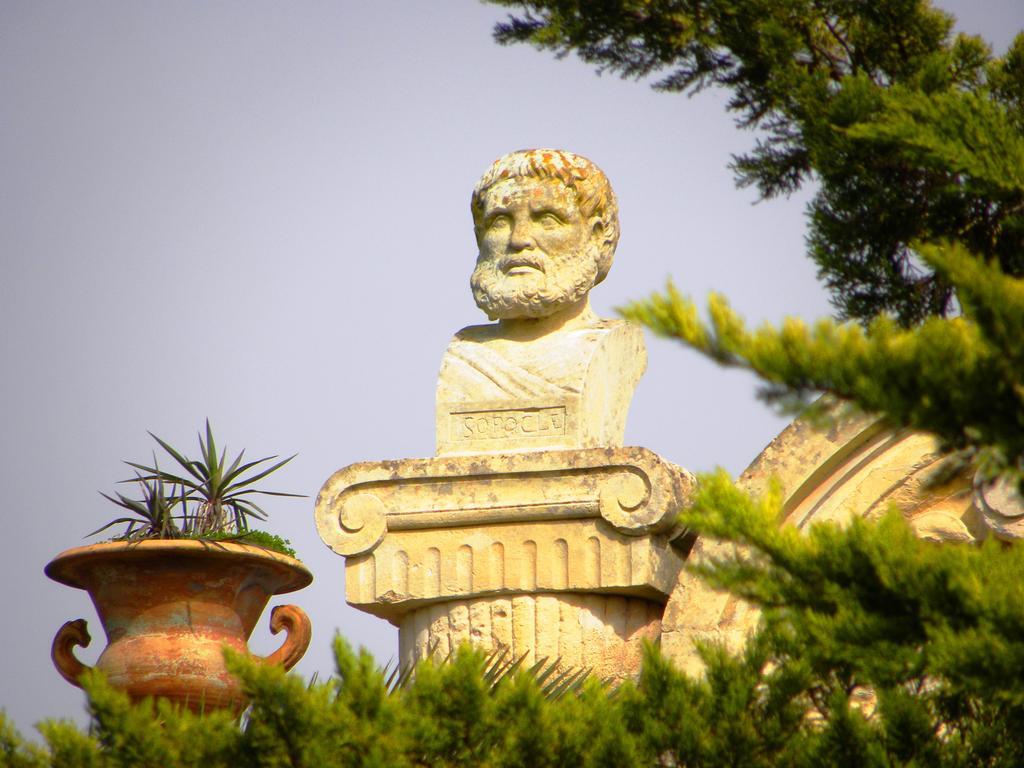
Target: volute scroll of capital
point(638, 503)
point(352, 525)
point(1000, 508)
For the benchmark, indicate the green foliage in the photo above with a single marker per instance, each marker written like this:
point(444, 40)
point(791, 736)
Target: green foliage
point(876, 649)
point(960, 379)
point(877, 101)
point(253, 536)
point(220, 488)
point(152, 516)
point(934, 631)
point(463, 712)
point(211, 501)
point(15, 752)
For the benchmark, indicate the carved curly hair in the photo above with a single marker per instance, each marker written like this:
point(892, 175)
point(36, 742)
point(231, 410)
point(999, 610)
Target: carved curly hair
point(594, 194)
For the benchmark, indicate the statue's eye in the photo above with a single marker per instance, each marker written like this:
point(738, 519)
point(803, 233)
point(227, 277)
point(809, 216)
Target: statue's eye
point(549, 219)
point(498, 221)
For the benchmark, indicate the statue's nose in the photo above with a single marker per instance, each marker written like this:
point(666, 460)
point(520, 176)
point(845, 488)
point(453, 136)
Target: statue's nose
point(521, 236)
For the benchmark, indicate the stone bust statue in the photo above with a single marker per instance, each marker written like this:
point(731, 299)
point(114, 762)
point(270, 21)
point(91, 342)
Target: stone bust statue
point(549, 373)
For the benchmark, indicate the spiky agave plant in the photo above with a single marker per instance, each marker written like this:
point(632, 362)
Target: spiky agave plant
point(219, 489)
point(153, 516)
point(499, 666)
point(211, 499)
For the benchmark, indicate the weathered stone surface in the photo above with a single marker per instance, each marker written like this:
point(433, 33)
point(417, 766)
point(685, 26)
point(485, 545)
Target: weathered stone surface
point(499, 537)
point(1000, 509)
point(602, 632)
point(565, 390)
point(859, 468)
point(632, 489)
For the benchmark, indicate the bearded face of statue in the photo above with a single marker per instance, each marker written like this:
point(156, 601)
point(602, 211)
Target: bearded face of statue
point(537, 250)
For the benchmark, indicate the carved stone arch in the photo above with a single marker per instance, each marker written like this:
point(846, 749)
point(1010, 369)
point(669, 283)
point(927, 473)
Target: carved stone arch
point(859, 467)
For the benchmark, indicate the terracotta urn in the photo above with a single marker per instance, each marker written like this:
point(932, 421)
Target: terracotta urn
point(169, 607)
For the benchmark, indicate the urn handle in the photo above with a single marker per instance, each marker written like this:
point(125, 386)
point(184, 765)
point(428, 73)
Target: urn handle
point(73, 633)
point(294, 620)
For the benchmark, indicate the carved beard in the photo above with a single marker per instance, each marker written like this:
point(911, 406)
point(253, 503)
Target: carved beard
point(508, 298)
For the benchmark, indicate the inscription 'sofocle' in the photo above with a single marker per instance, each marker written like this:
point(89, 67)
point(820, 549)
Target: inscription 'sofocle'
point(507, 423)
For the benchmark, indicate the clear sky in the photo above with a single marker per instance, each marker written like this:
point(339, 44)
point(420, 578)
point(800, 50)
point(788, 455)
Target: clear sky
point(257, 212)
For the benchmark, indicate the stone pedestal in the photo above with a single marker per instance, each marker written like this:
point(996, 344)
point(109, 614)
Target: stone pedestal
point(566, 555)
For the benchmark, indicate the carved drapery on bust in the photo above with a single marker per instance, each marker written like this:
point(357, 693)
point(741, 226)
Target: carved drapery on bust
point(567, 390)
